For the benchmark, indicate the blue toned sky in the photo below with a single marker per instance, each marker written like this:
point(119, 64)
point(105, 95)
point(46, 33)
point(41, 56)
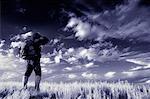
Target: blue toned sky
point(89, 40)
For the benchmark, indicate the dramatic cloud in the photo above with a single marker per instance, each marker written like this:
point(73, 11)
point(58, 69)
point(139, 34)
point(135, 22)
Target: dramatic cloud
point(140, 71)
point(136, 61)
point(86, 62)
point(125, 21)
point(143, 64)
point(103, 53)
point(93, 53)
point(129, 22)
point(82, 29)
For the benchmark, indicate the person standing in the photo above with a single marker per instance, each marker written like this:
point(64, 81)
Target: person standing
point(31, 52)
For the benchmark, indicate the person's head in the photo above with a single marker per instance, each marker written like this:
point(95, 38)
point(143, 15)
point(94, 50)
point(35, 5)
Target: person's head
point(36, 36)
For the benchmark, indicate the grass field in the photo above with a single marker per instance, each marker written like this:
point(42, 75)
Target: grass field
point(76, 90)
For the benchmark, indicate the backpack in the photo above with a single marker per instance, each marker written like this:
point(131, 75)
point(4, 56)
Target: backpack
point(30, 49)
point(27, 50)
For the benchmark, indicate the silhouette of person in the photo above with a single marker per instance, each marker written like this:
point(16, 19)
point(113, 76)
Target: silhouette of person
point(32, 54)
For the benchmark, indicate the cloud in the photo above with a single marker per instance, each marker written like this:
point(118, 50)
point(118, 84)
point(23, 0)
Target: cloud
point(82, 29)
point(2, 43)
point(101, 52)
point(140, 76)
point(141, 68)
point(7, 62)
point(136, 68)
point(22, 36)
point(110, 74)
point(46, 60)
point(136, 61)
point(18, 41)
point(109, 55)
point(140, 72)
point(58, 57)
point(86, 53)
point(8, 75)
point(91, 64)
point(70, 50)
point(46, 70)
point(129, 74)
point(97, 26)
point(17, 44)
point(127, 20)
point(10, 65)
point(72, 76)
point(88, 56)
point(89, 75)
point(139, 61)
point(26, 35)
point(72, 60)
point(137, 57)
point(148, 81)
point(68, 68)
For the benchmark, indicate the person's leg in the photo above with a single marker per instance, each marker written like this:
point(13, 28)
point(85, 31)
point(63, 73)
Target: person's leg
point(27, 74)
point(37, 70)
point(25, 81)
point(37, 82)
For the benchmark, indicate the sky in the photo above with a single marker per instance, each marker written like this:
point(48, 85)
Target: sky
point(98, 40)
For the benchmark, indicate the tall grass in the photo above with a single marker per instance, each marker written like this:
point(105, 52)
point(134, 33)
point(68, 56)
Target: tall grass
point(77, 90)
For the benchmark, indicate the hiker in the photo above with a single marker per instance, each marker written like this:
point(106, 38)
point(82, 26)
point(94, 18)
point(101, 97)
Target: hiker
point(31, 52)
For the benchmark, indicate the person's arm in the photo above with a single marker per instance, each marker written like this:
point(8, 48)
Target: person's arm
point(43, 40)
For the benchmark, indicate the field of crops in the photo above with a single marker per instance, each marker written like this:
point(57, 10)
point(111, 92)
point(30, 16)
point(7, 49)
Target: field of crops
point(76, 90)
